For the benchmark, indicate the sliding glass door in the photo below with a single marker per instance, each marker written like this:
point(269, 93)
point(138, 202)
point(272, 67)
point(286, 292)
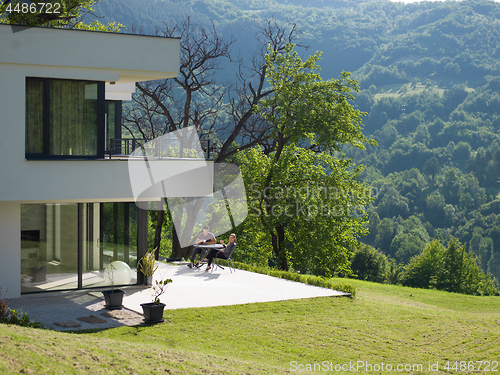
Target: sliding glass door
point(68, 246)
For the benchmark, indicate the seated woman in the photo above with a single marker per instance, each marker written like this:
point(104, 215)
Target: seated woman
point(221, 253)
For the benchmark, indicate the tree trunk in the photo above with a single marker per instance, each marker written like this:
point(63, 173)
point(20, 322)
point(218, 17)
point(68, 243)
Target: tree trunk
point(160, 217)
point(177, 250)
point(277, 240)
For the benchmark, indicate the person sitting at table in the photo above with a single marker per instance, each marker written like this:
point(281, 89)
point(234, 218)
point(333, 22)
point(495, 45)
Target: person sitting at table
point(221, 253)
point(205, 237)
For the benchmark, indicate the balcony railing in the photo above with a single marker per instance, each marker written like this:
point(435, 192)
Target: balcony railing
point(161, 148)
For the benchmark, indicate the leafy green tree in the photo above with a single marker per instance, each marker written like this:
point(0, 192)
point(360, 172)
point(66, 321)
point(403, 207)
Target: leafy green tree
point(432, 167)
point(454, 267)
point(435, 204)
point(385, 233)
point(462, 153)
point(494, 264)
point(307, 222)
point(71, 14)
point(435, 127)
point(410, 240)
point(368, 264)
point(422, 135)
point(451, 269)
point(451, 185)
point(223, 113)
point(395, 273)
point(373, 226)
point(406, 245)
point(310, 119)
point(484, 253)
point(387, 135)
point(392, 203)
point(461, 274)
point(422, 270)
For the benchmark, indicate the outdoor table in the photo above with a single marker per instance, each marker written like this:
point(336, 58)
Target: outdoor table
point(214, 246)
point(208, 247)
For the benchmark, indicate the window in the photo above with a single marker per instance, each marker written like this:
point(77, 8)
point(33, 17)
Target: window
point(64, 119)
point(68, 246)
point(113, 126)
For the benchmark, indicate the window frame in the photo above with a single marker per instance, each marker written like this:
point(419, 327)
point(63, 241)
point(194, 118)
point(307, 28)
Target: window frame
point(45, 155)
point(118, 104)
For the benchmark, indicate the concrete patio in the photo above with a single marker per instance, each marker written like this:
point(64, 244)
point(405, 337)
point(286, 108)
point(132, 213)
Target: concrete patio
point(191, 288)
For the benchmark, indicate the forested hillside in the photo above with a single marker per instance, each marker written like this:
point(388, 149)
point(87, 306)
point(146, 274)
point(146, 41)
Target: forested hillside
point(429, 75)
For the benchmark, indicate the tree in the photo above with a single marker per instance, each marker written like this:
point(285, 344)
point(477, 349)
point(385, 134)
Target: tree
point(494, 264)
point(391, 202)
point(385, 233)
point(71, 14)
point(435, 204)
point(223, 112)
point(432, 167)
point(307, 220)
point(368, 264)
point(406, 245)
point(451, 269)
point(461, 274)
point(192, 98)
point(422, 270)
point(309, 119)
point(373, 226)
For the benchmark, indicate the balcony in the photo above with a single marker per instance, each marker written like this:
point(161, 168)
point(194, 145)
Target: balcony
point(157, 149)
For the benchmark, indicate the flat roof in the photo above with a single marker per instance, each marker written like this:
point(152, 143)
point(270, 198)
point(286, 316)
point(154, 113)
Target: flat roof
point(22, 27)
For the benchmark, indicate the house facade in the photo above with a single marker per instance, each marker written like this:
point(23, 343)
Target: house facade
point(67, 207)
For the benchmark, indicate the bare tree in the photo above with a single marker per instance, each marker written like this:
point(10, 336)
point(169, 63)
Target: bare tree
point(246, 127)
point(221, 111)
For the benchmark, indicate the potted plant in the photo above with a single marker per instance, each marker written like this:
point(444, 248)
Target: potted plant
point(113, 298)
point(153, 311)
point(147, 266)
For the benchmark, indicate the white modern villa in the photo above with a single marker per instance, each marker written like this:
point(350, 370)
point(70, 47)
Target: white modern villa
point(66, 205)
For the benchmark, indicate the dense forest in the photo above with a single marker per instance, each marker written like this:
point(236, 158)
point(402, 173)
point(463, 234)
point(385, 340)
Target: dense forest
point(429, 76)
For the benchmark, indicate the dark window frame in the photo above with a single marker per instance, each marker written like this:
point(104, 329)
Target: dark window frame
point(45, 155)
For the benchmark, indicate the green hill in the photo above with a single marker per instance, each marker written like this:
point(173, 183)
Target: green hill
point(385, 324)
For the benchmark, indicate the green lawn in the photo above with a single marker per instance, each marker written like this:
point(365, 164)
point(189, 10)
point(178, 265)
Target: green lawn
point(395, 91)
point(384, 324)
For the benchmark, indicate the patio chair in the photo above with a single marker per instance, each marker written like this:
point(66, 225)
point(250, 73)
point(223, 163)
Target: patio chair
point(229, 261)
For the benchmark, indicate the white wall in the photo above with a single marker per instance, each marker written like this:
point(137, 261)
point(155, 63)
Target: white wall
point(122, 91)
point(133, 57)
point(10, 249)
point(94, 181)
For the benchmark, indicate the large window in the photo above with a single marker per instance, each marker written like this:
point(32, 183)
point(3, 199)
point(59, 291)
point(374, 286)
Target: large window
point(64, 118)
point(69, 246)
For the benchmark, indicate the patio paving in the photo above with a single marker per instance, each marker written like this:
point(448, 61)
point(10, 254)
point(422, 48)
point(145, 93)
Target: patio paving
point(191, 288)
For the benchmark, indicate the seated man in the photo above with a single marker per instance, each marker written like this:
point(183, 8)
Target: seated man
point(205, 238)
point(221, 253)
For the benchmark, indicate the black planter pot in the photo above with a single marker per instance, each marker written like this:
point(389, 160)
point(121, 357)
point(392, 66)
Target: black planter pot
point(113, 299)
point(153, 313)
point(148, 280)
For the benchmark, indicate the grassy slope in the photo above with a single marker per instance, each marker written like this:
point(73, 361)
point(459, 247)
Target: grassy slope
point(394, 90)
point(385, 323)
